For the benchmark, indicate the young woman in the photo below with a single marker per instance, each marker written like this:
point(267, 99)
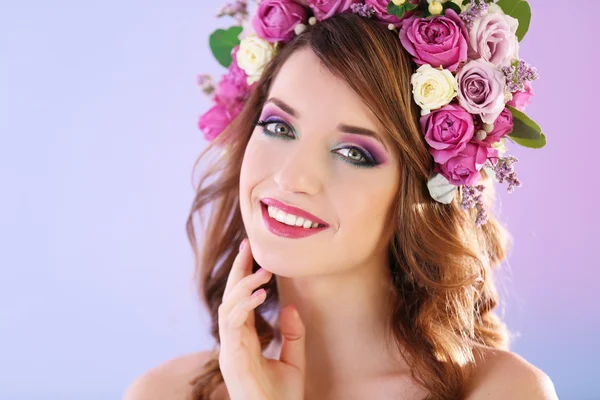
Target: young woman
point(327, 268)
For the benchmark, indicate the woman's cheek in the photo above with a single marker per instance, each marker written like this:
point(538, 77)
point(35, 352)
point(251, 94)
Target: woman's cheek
point(260, 159)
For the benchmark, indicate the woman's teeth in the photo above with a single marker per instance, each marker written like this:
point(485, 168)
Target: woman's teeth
point(290, 219)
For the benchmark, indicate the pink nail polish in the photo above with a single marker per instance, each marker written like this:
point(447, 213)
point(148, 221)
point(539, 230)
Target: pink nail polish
point(242, 244)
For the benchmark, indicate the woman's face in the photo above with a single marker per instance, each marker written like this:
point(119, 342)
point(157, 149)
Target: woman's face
point(320, 150)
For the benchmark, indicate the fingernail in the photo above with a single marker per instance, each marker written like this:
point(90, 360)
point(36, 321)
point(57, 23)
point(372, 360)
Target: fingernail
point(242, 244)
point(294, 313)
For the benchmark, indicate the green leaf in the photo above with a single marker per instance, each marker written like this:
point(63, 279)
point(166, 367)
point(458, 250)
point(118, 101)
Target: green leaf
point(532, 144)
point(424, 9)
point(520, 10)
point(453, 6)
point(409, 6)
point(525, 131)
point(393, 9)
point(222, 43)
point(465, 2)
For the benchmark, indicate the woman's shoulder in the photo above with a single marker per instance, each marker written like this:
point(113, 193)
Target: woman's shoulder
point(170, 379)
point(502, 374)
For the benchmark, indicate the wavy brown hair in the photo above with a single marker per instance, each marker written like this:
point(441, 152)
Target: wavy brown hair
point(440, 262)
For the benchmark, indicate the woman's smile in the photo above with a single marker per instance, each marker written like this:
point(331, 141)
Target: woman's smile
point(288, 221)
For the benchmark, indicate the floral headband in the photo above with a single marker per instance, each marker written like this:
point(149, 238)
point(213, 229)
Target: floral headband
point(469, 82)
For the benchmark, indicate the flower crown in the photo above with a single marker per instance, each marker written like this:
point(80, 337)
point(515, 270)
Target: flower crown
point(469, 82)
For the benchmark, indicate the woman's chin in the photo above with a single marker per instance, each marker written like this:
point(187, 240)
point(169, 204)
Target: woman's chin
point(281, 263)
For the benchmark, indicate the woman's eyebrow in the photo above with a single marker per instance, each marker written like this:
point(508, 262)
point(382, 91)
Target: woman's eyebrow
point(354, 130)
point(357, 130)
point(283, 105)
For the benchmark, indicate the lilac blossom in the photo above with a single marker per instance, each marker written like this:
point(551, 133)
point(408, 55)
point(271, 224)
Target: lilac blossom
point(364, 10)
point(516, 76)
point(504, 170)
point(472, 196)
point(476, 8)
point(206, 83)
point(237, 9)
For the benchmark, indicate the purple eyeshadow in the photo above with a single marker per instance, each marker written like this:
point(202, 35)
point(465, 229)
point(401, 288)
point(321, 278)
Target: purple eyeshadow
point(270, 111)
point(369, 145)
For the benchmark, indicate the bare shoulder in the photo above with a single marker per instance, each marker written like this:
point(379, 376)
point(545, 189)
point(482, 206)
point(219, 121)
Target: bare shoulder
point(168, 380)
point(502, 375)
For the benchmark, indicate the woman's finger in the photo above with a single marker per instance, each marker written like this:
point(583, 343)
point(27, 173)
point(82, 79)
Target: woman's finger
point(244, 289)
point(242, 266)
point(241, 311)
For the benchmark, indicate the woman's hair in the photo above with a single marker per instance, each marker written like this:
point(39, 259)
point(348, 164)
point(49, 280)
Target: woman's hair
point(440, 262)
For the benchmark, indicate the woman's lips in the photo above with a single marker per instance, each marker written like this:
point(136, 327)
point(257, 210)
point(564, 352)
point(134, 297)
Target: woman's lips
point(293, 210)
point(287, 231)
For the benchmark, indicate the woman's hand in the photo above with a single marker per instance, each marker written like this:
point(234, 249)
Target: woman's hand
point(247, 373)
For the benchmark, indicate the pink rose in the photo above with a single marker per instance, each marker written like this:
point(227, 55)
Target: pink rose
point(324, 9)
point(275, 20)
point(233, 87)
point(447, 130)
point(521, 100)
point(215, 120)
point(463, 169)
point(481, 89)
point(503, 125)
point(493, 38)
point(436, 41)
point(381, 14)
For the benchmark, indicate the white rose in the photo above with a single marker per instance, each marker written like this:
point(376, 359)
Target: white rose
point(253, 55)
point(433, 88)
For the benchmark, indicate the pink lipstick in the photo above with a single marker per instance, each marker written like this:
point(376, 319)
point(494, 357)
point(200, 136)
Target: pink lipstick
point(288, 231)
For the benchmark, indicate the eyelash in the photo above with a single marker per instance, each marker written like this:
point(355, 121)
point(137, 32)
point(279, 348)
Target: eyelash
point(369, 160)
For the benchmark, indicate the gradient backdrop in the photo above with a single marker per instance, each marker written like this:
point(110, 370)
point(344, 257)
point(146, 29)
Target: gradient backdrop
point(98, 110)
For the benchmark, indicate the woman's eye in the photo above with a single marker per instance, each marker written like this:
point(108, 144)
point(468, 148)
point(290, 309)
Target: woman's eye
point(276, 128)
point(352, 154)
point(356, 156)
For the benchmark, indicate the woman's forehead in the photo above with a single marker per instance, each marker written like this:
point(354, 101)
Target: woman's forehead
point(313, 90)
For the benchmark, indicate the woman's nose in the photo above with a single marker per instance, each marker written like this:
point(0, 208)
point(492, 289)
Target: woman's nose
point(300, 172)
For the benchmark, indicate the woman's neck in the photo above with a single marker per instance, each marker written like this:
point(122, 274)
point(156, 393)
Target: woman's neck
point(346, 316)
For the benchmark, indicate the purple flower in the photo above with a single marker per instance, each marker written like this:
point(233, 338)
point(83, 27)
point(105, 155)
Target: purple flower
point(447, 130)
point(472, 196)
point(233, 87)
point(237, 9)
point(364, 10)
point(381, 14)
point(481, 89)
point(439, 41)
point(493, 38)
point(473, 11)
point(518, 75)
point(521, 100)
point(504, 170)
point(463, 169)
point(275, 20)
point(324, 9)
point(206, 83)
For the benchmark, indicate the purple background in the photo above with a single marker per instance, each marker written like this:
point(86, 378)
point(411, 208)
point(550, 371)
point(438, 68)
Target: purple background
point(98, 107)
